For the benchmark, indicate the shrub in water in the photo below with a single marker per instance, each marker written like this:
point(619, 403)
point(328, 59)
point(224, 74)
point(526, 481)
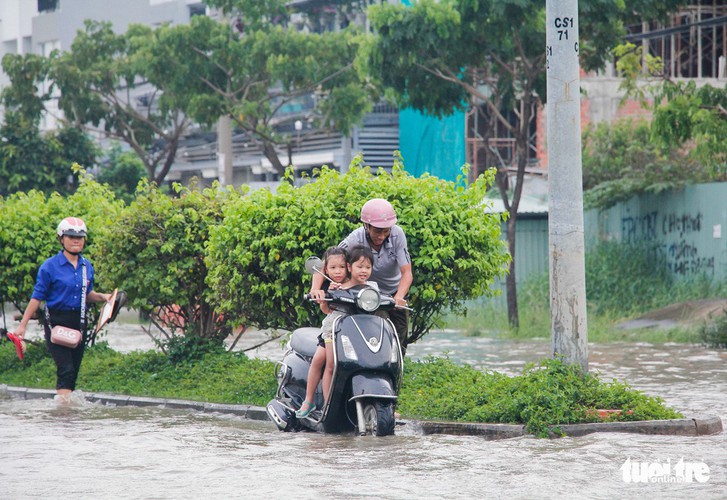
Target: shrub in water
point(714, 333)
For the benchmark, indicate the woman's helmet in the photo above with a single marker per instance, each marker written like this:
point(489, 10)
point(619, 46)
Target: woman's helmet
point(378, 213)
point(72, 226)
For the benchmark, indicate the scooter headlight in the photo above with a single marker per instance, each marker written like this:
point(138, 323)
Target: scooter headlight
point(368, 299)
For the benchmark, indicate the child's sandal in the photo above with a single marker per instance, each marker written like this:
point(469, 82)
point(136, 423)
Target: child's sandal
point(305, 411)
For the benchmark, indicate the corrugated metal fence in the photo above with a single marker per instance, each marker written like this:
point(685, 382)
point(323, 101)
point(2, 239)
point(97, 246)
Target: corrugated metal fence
point(531, 251)
point(688, 226)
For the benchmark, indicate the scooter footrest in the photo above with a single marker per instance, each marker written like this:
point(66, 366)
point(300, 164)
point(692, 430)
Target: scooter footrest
point(315, 415)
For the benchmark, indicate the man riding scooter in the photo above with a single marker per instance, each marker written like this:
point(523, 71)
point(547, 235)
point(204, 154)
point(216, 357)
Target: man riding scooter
point(392, 265)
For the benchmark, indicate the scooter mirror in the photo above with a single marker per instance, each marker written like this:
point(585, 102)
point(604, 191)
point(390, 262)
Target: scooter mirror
point(313, 265)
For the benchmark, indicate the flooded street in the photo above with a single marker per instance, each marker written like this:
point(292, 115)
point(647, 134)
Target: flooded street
point(89, 451)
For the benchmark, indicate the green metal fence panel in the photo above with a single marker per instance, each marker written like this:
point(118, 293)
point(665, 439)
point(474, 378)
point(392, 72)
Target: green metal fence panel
point(531, 253)
point(686, 226)
point(689, 228)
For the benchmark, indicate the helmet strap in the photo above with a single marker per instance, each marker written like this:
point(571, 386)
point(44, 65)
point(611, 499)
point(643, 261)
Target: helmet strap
point(60, 240)
point(367, 228)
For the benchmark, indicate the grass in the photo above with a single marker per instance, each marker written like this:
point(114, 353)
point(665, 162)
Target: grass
point(488, 320)
point(543, 397)
point(213, 377)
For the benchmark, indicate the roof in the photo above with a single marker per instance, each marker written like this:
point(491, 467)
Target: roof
point(528, 205)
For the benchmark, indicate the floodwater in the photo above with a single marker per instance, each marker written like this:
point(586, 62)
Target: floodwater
point(92, 451)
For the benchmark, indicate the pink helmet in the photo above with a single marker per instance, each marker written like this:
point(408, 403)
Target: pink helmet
point(378, 213)
point(72, 226)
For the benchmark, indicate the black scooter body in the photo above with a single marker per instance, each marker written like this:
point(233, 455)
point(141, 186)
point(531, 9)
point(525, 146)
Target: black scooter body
point(366, 380)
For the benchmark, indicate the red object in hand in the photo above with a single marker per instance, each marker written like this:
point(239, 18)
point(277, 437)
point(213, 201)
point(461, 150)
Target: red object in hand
point(19, 344)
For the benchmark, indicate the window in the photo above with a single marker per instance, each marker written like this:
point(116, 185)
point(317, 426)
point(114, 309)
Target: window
point(47, 5)
point(197, 9)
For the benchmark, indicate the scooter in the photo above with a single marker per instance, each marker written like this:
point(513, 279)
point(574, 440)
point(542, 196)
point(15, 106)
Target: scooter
point(367, 372)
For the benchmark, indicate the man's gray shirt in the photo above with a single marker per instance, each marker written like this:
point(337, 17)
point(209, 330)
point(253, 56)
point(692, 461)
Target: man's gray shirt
point(387, 261)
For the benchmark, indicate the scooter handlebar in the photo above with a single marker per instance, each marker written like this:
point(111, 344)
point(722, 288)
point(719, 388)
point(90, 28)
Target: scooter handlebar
point(308, 297)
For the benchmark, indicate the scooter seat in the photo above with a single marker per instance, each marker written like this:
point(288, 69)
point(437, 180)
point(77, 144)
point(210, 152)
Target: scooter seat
point(305, 340)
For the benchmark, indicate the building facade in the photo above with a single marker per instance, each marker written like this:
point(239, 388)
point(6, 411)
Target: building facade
point(692, 44)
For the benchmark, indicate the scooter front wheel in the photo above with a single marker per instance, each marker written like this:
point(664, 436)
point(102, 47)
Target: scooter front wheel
point(378, 418)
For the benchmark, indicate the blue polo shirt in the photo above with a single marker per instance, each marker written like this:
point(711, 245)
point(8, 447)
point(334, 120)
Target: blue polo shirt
point(59, 284)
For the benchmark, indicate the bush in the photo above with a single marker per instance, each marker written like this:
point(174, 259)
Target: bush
point(154, 250)
point(714, 332)
point(543, 397)
point(190, 348)
point(622, 160)
point(256, 255)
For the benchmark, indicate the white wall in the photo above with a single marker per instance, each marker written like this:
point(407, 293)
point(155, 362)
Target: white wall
point(15, 30)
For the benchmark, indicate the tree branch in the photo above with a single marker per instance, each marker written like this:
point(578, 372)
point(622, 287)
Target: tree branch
point(471, 89)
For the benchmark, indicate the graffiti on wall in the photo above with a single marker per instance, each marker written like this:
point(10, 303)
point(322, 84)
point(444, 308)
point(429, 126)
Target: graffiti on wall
point(639, 228)
point(670, 234)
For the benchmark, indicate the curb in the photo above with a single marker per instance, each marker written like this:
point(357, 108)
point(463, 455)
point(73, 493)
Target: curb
point(703, 425)
point(488, 431)
point(706, 425)
point(244, 411)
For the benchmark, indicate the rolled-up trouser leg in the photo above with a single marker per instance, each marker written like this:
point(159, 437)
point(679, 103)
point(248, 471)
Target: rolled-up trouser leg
point(68, 364)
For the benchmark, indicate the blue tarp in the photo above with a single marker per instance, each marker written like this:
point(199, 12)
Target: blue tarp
point(432, 145)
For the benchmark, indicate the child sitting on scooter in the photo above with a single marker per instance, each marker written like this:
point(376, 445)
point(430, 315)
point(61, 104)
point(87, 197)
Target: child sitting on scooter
point(335, 262)
point(359, 265)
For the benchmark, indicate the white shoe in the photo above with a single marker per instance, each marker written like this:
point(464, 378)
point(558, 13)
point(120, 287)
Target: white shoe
point(63, 399)
point(75, 398)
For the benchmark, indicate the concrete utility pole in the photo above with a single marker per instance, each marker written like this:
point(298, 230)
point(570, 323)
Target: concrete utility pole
point(224, 150)
point(568, 328)
point(224, 135)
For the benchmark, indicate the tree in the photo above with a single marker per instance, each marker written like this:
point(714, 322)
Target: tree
point(687, 114)
point(31, 160)
point(103, 83)
point(253, 68)
point(439, 56)
point(102, 86)
point(622, 160)
point(27, 94)
point(256, 256)
point(122, 171)
point(28, 158)
point(688, 120)
point(679, 146)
